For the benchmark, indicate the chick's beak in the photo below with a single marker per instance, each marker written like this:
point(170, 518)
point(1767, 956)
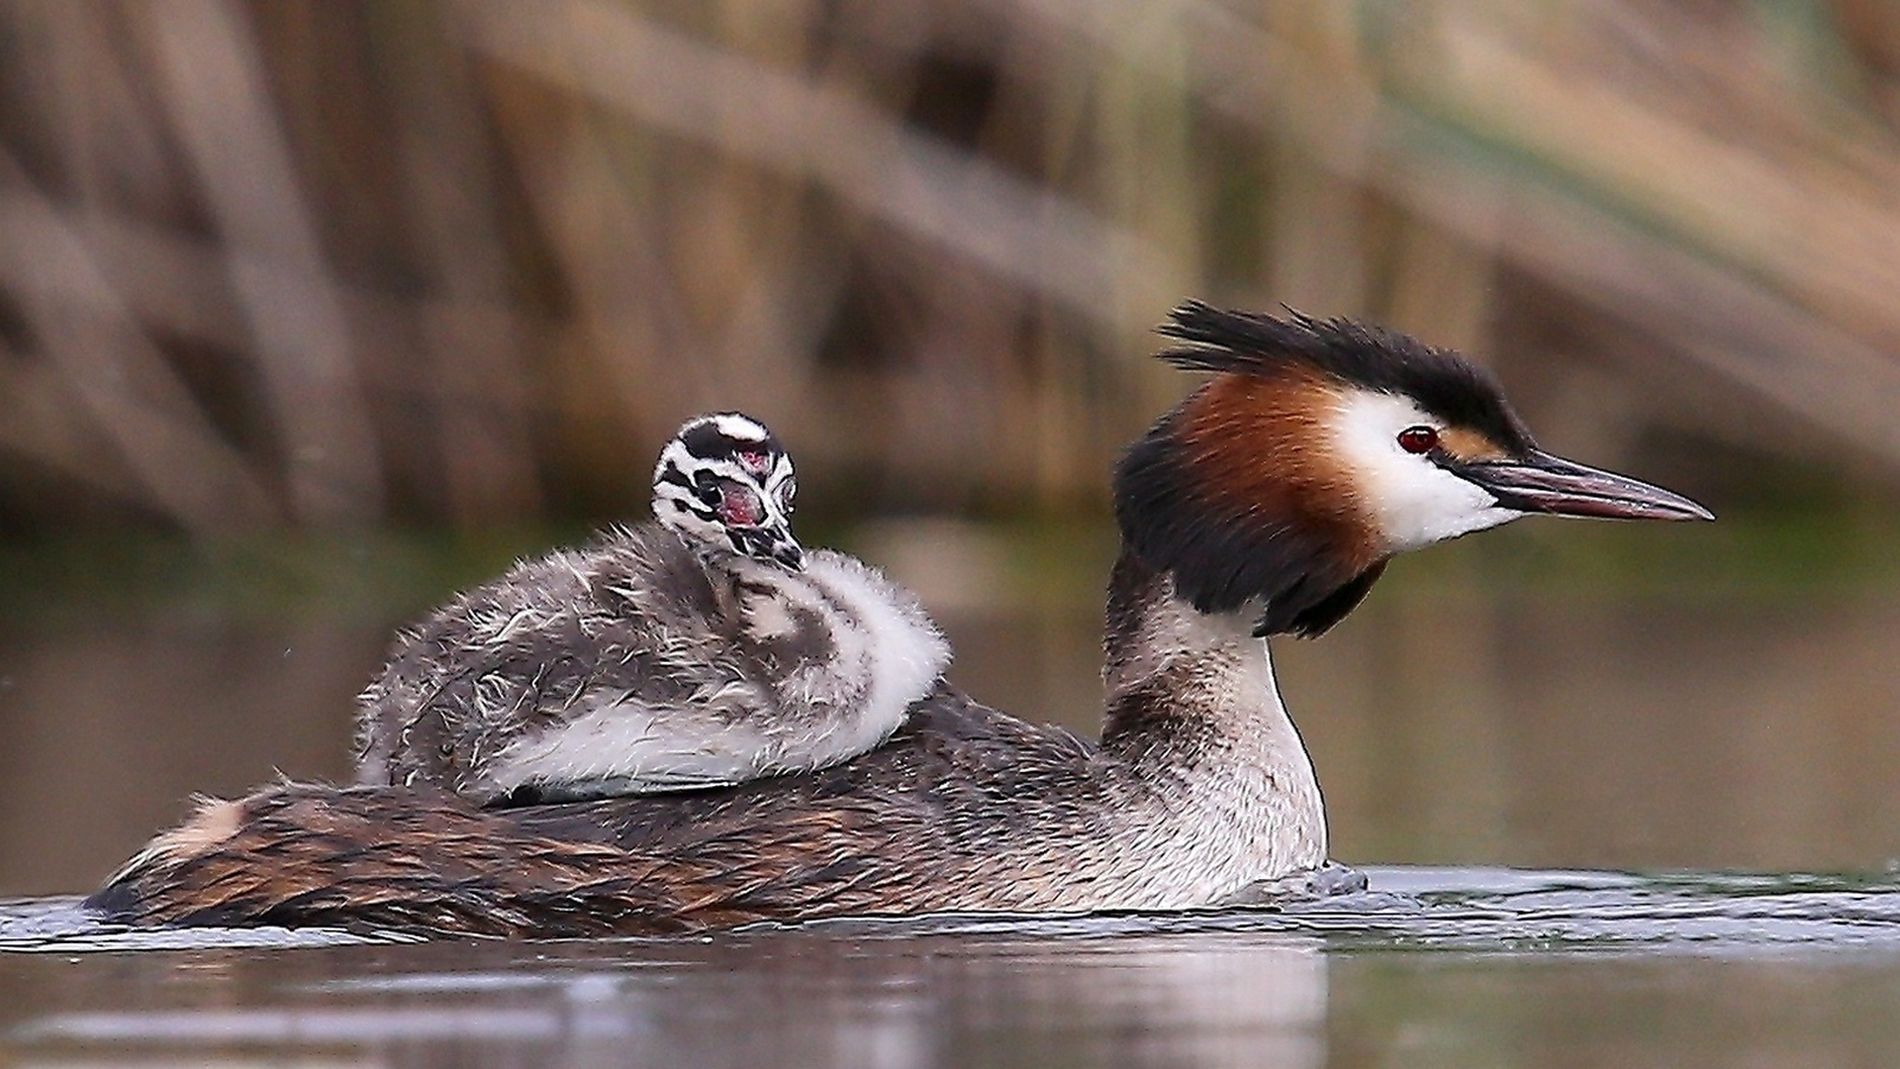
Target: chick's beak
point(789, 553)
point(1542, 483)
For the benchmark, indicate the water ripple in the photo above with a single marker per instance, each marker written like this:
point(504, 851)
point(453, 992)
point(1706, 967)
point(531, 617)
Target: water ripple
point(1463, 909)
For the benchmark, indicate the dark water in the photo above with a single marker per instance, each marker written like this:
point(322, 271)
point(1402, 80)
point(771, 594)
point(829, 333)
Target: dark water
point(1467, 967)
point(1525, 734)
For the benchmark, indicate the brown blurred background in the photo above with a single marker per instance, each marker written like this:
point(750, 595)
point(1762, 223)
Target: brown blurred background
point(311, 312)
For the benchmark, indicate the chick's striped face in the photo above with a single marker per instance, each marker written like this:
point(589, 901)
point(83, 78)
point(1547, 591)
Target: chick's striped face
point(725, 485)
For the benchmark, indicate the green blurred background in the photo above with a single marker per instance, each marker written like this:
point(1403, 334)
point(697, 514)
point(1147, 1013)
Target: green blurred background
point(311, 312)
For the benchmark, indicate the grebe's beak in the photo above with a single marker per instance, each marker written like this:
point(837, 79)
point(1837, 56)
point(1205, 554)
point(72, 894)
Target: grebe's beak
point(1542, 483)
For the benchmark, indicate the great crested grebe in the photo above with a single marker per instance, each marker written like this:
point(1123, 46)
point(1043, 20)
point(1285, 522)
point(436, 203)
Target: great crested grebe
point(703, 649)
point(1267, 502)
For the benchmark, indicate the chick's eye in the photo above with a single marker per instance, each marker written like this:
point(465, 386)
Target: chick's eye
point(1418, 439)
point(739, 506)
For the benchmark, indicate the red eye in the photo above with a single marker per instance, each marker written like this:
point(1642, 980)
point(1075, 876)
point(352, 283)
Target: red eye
point(1418, 439)
point(739, 506)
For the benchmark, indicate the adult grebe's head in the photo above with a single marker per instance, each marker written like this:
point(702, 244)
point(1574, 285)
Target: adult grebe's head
point(725, 485)
point(1323, 447)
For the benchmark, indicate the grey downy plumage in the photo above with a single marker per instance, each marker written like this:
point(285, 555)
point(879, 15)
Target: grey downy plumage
point(703, 648)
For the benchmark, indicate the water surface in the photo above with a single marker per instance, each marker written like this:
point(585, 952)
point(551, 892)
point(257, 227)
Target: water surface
point(1466, 966)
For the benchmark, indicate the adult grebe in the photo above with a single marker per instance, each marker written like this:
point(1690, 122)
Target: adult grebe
point(1267, 502)
point(702, 649)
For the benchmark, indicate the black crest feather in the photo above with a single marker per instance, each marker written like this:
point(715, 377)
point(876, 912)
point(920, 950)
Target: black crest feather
point(1442, 382)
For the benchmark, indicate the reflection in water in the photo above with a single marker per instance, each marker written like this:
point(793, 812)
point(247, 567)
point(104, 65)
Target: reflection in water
point(769, 998)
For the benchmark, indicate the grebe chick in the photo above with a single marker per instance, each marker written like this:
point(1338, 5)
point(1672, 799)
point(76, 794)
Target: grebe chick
point(1267, 502)
point(702, 649)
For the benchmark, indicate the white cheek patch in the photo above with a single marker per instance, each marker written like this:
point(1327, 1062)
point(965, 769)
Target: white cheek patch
point(1414, 501)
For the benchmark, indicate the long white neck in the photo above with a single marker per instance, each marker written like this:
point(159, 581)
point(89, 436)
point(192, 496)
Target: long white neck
point(1194, 710)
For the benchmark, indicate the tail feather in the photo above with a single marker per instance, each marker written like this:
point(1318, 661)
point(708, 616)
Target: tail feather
point(389, 858)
